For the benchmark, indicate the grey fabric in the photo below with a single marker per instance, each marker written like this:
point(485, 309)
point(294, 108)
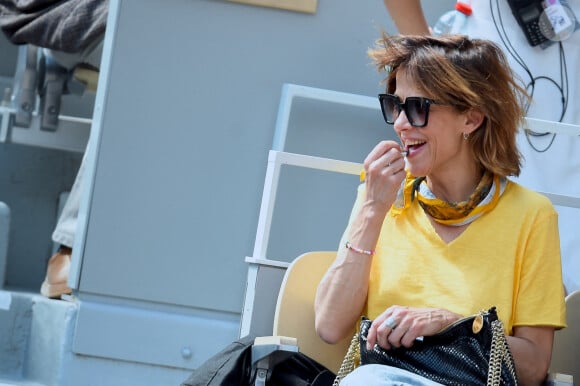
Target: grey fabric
point(66, 227)
point(64, 25)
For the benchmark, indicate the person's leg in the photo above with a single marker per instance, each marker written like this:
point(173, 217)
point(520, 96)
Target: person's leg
point(66, 227)
point(381, 375)
point(55, 282)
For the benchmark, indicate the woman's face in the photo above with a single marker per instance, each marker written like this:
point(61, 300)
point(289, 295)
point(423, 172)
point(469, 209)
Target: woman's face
point(437, 147)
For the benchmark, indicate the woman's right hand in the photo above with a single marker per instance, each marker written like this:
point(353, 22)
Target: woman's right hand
point(384, 173)
point(400, 326)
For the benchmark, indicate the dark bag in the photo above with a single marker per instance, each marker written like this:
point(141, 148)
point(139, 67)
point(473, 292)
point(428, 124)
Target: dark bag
point(232, 366)
point(471, 351)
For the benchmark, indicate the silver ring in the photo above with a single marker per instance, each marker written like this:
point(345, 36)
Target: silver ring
point(390, 322)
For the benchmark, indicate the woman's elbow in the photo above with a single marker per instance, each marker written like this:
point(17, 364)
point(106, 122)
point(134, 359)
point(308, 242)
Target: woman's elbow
point(328, 336)
point(539, 374)
point(327, 331)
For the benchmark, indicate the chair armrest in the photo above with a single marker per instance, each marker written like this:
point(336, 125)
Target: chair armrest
point(558, 379)
point(267, 352)
point(276, 340)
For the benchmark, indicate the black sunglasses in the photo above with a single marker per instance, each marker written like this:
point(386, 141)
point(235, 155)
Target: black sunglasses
point(416, 109)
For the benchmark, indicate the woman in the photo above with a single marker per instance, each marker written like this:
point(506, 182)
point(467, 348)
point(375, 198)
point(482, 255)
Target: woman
point(444, 234)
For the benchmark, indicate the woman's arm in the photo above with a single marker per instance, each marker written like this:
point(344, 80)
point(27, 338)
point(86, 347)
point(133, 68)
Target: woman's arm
point(408, 16)
point(342, 292)
point(531, 348)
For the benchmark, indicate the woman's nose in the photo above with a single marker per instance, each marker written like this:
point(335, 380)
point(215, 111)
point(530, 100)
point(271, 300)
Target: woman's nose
point(401, 122)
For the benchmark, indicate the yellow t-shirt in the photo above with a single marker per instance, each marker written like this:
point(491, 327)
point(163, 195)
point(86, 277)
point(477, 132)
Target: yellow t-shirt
point(508, 258)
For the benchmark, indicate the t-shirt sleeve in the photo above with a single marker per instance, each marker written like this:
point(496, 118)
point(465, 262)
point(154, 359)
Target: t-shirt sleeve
point(540, 292)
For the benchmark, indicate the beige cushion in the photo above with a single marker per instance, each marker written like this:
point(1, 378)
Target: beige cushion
point(295, 309)
point(566, 354)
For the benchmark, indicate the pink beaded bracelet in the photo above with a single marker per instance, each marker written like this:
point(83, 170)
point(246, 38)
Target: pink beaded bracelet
point(348, 245)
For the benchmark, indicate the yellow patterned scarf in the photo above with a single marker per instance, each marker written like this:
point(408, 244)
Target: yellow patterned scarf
point(483, 199)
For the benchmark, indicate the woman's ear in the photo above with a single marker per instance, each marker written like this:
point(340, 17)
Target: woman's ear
point(473, 119)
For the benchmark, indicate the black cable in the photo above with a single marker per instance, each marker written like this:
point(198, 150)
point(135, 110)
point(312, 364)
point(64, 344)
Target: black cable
point(564, 80)
point(562, 87)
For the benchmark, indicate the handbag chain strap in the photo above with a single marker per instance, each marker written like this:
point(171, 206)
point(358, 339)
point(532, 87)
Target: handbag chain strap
point(350, 360)
point(500, 353)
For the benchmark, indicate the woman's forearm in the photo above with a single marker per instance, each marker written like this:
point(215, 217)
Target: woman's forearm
point(341, 296)
point(342, 293)
point(408, 16)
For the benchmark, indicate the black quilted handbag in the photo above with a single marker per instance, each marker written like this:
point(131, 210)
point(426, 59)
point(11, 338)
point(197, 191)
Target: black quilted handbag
point(471, 351)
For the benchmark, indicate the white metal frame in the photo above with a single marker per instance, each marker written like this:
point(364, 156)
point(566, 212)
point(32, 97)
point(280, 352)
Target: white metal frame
point(292, 91)
point(275, 161)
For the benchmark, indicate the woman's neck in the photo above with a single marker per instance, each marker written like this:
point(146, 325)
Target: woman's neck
point(456, 186)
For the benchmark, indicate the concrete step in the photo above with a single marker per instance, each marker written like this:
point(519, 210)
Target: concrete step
point(15, 322)
point(50, 339)
point(34, 337)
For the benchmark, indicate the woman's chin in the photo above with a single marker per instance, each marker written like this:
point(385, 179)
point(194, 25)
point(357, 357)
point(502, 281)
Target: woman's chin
point(416, 170)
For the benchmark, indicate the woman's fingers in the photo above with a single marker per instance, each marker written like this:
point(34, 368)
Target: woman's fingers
point(402, 326)
point(380, 329)
point(383, 155)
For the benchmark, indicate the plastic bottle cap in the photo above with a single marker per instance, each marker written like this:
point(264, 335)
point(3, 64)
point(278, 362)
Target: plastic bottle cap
point(464, 8)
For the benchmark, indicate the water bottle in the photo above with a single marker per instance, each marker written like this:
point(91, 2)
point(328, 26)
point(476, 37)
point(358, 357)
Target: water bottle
point(453, 22)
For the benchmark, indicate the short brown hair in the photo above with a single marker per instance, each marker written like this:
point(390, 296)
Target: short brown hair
point(464, 73)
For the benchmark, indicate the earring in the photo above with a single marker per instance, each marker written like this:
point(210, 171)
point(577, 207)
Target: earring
point(466, 136)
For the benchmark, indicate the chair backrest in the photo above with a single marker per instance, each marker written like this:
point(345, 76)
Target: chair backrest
point(566, 353)
point(294, 314)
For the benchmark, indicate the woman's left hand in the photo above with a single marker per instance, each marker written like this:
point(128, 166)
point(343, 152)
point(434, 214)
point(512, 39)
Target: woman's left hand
point(399, 326)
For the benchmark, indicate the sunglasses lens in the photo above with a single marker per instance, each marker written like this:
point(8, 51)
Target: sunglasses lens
point(390, 107)
point(416, 111)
